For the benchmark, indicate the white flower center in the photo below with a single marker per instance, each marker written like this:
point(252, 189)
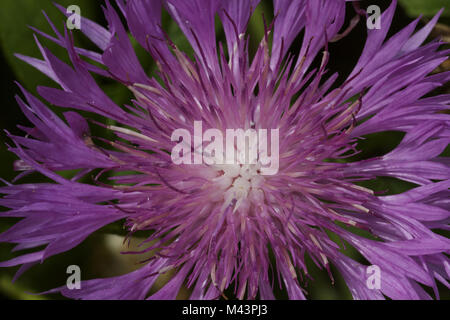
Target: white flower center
point(240, 183)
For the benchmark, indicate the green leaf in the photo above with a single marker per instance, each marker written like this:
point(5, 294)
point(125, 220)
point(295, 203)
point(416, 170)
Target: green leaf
point(17, 37)
point(427, 8)
point(15, 291)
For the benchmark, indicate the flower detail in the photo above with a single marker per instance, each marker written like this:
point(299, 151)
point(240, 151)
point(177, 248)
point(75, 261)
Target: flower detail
point(227, 226)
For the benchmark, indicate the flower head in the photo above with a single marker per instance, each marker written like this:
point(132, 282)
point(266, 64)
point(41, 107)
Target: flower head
point(228, 225)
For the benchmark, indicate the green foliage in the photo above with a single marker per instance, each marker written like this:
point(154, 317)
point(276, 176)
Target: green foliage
point(16, 36)
point(427, 8)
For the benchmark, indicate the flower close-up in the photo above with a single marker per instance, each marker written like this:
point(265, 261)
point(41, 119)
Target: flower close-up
point(244, 164)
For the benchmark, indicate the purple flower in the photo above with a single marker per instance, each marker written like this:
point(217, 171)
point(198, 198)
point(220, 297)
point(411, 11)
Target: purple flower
point(229, 226)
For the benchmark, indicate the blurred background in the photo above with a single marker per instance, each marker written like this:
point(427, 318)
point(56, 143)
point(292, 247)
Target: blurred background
point(99, 256)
